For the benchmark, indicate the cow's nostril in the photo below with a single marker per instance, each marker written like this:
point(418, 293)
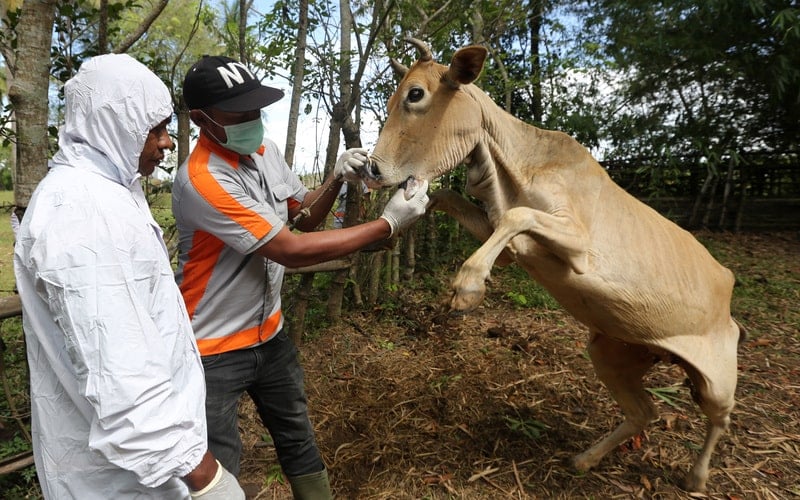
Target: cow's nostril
point(373, 169)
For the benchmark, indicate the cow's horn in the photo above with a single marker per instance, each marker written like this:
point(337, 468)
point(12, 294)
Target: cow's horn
point(399, 68)
point(422, 47)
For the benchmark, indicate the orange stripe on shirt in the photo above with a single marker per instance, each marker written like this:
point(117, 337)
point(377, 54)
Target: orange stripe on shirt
point(242, 339)
point(203, 256)
point(209, 188)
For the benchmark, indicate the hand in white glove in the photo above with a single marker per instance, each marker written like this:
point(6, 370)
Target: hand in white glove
point(224, 486)
point(349, 163)
point(401, 212)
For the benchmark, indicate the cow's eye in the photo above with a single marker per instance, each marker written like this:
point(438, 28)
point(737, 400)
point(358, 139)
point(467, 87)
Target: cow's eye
point(415, 94)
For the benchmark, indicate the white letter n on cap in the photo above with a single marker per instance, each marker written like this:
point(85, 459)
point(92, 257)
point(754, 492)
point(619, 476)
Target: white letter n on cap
point(232, 73)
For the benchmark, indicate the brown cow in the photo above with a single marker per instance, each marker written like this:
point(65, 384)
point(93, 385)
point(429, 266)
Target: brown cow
point(647, 290)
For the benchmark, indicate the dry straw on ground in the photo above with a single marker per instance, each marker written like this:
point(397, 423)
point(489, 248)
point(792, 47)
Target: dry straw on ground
point(413, 404)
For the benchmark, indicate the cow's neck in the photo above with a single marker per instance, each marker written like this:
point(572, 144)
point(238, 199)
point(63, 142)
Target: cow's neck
point(501, 164)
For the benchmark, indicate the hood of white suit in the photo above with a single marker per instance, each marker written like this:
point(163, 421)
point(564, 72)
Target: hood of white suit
point(112, 103)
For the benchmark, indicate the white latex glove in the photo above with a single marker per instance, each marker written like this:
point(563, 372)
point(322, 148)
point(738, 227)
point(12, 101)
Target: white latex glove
point(401, 212)
point(349, 163)
point(224, 486)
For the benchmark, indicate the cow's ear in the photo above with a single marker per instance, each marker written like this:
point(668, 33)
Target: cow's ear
point(466, 65)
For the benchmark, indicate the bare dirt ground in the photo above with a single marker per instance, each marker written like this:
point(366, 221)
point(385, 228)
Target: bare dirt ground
point(410, 403)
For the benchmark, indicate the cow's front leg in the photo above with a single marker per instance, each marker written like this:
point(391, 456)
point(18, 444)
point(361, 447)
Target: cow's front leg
point(559, 234)
point(470, 216)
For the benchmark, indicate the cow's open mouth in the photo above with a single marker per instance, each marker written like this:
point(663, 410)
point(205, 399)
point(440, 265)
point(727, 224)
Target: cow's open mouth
point(372, 176)
point(371, 171)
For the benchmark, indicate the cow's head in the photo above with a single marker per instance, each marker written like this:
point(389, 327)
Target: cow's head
point(433, 123)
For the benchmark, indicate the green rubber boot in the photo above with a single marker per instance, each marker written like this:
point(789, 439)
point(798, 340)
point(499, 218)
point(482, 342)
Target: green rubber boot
point(311, 486)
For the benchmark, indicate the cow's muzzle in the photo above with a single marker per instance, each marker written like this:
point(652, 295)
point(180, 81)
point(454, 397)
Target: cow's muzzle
point(370, 171)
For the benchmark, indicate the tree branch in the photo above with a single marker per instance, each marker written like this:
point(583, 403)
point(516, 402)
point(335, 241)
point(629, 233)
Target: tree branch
point(136, 35)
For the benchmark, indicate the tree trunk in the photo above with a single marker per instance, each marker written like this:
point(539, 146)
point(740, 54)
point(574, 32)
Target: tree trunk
point(184, 131)
point(374, 277)
point(536, 13)
point(242, 39)
point(410, 251)
point(28, 94)
point(387, 267)
point(358, 300)
point(726, 192)
point(297, 83)
point(297, 320)
point(710, 206)
point(336, 293)
point(394, 264)
point(431, 237)
point(710, 174)
point(743, 181)
point(102, 28)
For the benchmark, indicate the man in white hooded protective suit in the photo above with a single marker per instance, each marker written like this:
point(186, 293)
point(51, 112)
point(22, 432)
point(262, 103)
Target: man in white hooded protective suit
point(117, 391)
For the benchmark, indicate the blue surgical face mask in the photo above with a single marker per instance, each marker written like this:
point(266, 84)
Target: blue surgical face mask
point(244, 138)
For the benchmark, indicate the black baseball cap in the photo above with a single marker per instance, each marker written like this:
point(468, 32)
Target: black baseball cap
point(226, 84)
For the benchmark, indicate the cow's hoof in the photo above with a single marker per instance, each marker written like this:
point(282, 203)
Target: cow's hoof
point(583, 462)
point(694, 483)
point(466, 301)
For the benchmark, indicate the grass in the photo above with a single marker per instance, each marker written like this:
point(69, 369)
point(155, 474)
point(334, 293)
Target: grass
point(765, 300)
point(6, 244)
point(14, 399)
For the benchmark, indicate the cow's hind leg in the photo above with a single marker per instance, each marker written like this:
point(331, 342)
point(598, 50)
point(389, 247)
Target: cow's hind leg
point(620, 366)
point(716, 399)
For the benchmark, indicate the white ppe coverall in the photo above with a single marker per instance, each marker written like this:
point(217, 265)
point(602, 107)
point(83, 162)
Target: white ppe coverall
point(117, 390)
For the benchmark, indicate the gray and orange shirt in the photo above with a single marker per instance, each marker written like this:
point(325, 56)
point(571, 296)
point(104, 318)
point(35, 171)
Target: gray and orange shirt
point(225, 207)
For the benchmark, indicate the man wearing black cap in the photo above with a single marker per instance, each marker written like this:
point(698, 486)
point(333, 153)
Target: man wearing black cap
point(232, 199)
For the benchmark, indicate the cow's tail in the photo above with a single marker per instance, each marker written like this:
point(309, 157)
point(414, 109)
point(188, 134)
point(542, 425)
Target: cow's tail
point(742, 331)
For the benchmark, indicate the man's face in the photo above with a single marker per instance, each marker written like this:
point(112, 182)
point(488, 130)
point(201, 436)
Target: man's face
point(157, 141)
point(222, 118)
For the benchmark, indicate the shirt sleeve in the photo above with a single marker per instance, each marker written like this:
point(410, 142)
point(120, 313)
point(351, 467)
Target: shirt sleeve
point(102, 280)
point(294, 188)
point(217, 201)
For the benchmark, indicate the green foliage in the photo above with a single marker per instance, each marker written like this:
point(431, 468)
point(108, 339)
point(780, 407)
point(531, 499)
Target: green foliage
point(316, 319)
point(518, 298)
point(274, 475)
point(530, 428)
point(668, 395)
point(440, 384)
point(700, 78)
point(6, 179)
point(8, 33)
point(14, 447)
point(7, 132)
point(277, 31)
point(75, 33)
point(525, 293)
point(20, 484)
point(185, 30)
point(387, 345)
point(15, 408)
